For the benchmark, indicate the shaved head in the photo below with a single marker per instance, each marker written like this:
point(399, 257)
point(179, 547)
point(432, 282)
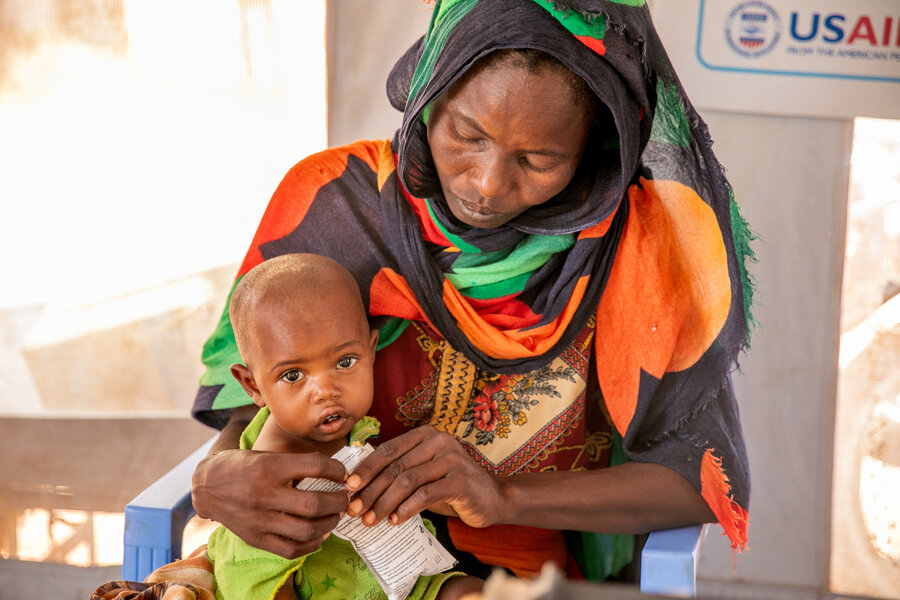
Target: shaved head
point(298, 279)
point(307, 349)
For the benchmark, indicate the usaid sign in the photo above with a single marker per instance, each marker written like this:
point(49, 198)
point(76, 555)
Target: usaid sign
point(855, 40)
point(818, 58)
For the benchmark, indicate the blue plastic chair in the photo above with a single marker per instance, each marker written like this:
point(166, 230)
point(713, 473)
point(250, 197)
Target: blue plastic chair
point(155, 521)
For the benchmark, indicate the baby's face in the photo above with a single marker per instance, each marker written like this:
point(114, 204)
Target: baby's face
point(313, 364)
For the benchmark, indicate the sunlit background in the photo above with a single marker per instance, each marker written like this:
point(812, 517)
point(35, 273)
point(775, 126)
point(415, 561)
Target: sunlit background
point(138, 138)
point(867, 442)
point(139, 144)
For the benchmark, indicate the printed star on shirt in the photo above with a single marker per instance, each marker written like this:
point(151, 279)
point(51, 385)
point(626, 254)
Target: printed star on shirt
point(328, 582)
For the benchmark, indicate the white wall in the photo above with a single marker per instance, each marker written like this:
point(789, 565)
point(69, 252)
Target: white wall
point(361, 47)
point(790, 176)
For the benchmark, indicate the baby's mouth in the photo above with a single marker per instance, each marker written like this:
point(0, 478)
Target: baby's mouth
point(332, 419)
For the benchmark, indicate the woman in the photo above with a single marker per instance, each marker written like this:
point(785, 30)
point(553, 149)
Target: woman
point(547, 249)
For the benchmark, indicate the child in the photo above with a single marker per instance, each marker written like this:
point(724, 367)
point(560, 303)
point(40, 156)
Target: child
point(302, 332)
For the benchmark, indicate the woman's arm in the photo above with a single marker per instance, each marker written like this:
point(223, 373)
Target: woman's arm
point(253, 493)
point(230, 436)
point(629, 498)
point(428, 469)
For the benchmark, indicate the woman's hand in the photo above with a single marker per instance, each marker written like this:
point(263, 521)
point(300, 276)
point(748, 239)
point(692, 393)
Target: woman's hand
point(426, 469)
point(253, 494)
point(423, 469)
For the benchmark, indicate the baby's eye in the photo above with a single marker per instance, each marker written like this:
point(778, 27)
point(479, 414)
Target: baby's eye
point(345, 362)
point(292, 375)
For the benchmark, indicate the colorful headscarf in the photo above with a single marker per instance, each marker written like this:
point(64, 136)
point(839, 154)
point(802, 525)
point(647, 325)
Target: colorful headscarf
point(646, 240)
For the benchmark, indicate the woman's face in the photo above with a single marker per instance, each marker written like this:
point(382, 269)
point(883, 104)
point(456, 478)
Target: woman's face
point(504, 139)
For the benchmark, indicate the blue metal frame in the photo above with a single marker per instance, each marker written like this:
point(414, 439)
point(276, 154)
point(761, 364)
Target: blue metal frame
point(669, 561)
point(155, 521)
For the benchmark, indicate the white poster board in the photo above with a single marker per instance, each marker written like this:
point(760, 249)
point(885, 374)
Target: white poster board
point(822, 58)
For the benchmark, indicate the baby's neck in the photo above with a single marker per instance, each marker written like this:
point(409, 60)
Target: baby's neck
point(290, 445)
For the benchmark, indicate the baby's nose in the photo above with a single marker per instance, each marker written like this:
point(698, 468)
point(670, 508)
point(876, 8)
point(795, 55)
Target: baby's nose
point(323, 389)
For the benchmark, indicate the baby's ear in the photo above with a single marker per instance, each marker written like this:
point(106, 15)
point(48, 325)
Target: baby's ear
point(373, 335)
point(248, 382)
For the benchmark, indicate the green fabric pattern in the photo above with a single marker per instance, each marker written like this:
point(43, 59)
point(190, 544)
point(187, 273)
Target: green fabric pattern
point(302, 586)
point(453, 239)
point(507, 287)
point(221, 349)
point(390, 330)
point(485, 275)
point(243, 571)
point(495, 274)
point(578, 25)
point(333, 572)
point(743, 235)
point(670, 124)
point(438, 31)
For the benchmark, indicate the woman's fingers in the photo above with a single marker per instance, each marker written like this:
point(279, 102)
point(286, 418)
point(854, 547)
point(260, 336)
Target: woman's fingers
point(269, 484)
point(253, 494)
point(390, 461)
point(411, 492)
point(397, 449)
point(302, 503)
point(242, 473)
point(454, 486)
point(293, 467)
point(475, 500)
point(424, 469)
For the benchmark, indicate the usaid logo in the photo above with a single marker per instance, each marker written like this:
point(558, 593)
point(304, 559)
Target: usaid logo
point(752, 29)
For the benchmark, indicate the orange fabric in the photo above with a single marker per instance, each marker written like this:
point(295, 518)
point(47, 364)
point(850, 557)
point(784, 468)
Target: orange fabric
point(387, 164)
point(598, 230)
point(592, 43)
point(522, 550)
point(716, 491)
point(671, 256)
point(430, 231)
point(391, 295)
point(190, 578)
point(703, 259)
point(295, 194)
point(509, 343)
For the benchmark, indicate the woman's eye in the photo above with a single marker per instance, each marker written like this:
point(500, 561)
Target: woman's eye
point(537, 168)
point(346, 362)
point(292, 375)
point(461, 137)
